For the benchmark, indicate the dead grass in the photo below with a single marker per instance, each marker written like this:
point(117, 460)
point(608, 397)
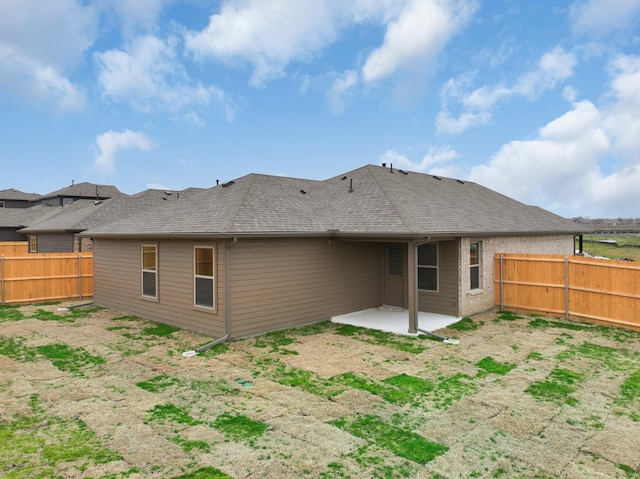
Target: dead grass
point(105, 396)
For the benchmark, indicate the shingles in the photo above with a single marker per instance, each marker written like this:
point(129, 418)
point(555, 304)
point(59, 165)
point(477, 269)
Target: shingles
point(13, 194)
point(86, 190)
point(370, 200)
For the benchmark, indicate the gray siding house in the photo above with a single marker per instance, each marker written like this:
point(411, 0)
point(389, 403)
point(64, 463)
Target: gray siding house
point(263, 253)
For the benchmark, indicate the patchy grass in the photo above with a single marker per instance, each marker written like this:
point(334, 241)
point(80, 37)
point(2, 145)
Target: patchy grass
point(163, 413)
point(407, 344)
point(158, 383)
point(10, 312)
point(276, 341)
point(491, 366)
point(557, 387)
point(507, 316)
point(204, 473)
point(159, 329)
point(238, 426)
point(188, 446)
point(72, 360)
point(466, 324)
point(400, 442)
point(613, 358)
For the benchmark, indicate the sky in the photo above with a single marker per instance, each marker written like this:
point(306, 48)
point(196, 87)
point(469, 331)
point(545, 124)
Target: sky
point(536, 99)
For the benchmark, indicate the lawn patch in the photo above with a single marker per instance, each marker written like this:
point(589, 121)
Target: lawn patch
point(614, 359)
point(400, 442)
point(189, 446)
point(72, 360)
point(507, 316)
point(239, 426)
point(557, 387)
point(450, 389)
point(204, 473)
point(159, 329)
point(276, 340)
point(465, 324)
point(306, 380)
point(158, 383)
point(43, 315)
point(407, 344)
point(16, 350)
point(10, 312)
point(171, 413)
point(491, 366)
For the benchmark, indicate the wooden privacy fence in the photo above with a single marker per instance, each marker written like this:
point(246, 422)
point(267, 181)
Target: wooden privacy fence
point(14, 248)
point(597, 290)
point(45, 277)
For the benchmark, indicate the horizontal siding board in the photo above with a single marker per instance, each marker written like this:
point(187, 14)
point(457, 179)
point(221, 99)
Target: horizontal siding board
point(444, 301)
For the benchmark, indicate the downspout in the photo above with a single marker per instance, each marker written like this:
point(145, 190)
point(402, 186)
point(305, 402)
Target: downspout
point(227, 300)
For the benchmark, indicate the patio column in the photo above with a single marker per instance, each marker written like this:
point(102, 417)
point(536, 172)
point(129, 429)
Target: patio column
point(412, 286)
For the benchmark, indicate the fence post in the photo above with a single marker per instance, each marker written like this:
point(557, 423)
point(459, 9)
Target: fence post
point(2, 279)
point(79, 276)
point(501, 283)
point(566, 287)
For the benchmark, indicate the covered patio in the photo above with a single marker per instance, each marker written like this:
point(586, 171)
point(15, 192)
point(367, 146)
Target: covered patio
point(394, 319)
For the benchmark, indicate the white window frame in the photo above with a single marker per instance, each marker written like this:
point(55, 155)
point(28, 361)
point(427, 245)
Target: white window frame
point(33, 243)
point(149, 271)
point(197, 276)
point(436, 267)
point(477, 265)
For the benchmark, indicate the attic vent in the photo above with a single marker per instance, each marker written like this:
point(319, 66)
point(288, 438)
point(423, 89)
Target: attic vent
point(351, 185)
point(343, 178)
point(228, 183)
point(403, 172)
point(303, 192)
point(437, 177)
point(460, 181)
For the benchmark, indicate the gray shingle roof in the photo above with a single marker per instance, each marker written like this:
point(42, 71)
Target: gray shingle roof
point(13, 194)
point(368, 201)
point(84, 214)
point(84, 190)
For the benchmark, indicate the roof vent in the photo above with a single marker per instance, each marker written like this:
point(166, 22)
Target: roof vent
point(460, 181)
point(303, 192)
point(437, 177)
point(228, 183)
point(403, 172)
point(351, 185)
point(344, 177)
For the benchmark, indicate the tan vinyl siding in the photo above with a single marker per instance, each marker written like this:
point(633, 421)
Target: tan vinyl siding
point(281, 283)
point(445, 300)
point(118, 284)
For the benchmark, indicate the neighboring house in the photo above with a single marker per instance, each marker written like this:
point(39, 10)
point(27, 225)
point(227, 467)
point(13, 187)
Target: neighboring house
point(12, 198)
point(81, 191)
point(58, 233)
point(12, 220)
point(263, 253)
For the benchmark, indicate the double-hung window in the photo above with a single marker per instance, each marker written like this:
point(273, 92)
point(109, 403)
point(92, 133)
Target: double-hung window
point(204, 281)
point(150, 270)
point(475, 250)
point(428, 267)
point(33, 244)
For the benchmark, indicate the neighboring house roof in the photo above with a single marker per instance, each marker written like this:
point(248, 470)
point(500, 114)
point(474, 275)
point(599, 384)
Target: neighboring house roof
point(84, 214)
point(84, 190)
point(369, 201)
point(21, 217)
point(17, 195)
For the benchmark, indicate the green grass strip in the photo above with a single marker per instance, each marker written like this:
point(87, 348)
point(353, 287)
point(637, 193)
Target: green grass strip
point(400, 442)
point(171, 413)
point(204, 473)
point(465, 324)
point(557, 387)
point(407, 344)
point(491, 366)
point(10, 312)
point(158, 383)
point(159, 329)
point(69, 359)
point(630, 388)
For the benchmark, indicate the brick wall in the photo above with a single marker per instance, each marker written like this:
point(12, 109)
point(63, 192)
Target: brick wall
point(476, 301)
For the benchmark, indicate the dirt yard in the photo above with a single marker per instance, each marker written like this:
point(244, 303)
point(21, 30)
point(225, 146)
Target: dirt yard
point(91, 393)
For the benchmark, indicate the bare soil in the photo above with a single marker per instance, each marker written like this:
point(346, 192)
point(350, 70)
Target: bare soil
point(122, 401)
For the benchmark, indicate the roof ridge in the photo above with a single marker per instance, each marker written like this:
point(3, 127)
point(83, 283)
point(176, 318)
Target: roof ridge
point(384, 192)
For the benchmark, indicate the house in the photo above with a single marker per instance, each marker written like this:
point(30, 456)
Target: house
point(86, 191)
point(59, 232)
point(262, 253)
point(12, 220)
point(12, 198)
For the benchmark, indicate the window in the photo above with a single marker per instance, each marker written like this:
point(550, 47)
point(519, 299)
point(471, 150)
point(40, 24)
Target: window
point(203, 277)
point(428, 267)
point(33, 244)
point(150, 271)
point(474, 263)
point(1, 204)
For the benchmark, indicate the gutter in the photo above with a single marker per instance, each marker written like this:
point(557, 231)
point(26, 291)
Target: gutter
point(227, 300)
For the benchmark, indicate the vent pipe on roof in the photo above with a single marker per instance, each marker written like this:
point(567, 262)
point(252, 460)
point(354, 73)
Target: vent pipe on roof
point(384, 165)
point(351, 185)
point(437, 178)
point(391, 170)
point(228, 183)
point(217, 182)
point(303, 192)
point(460, 181)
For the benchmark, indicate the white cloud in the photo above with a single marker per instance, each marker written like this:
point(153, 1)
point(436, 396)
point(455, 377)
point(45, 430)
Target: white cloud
point(39, 41)
point(134, 15)
point(623, 114)
point(340, 89)
point(601, 17)
point(413, 40)
point(434, 156)
point(149, 76)
point(553, 68)
point(112, 142)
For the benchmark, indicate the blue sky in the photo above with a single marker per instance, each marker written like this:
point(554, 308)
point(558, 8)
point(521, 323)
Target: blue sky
point(539, 100)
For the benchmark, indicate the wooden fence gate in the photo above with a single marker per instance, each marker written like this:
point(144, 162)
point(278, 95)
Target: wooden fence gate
point(597, 290)
point(39, 277)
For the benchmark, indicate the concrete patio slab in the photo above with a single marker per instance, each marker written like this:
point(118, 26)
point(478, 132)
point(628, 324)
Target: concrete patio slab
point(394, 320)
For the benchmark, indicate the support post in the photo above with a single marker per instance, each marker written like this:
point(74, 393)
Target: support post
point(412, 286)
point(80, 275)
